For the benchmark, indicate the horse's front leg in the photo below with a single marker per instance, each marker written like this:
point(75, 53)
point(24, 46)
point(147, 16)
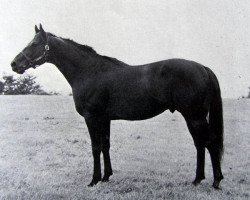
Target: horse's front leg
point(105, 151)
point(97, 127)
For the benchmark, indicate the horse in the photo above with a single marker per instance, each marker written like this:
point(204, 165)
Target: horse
point(106, 89)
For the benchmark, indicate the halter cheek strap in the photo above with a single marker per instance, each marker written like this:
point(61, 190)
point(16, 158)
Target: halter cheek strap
point(33, 63)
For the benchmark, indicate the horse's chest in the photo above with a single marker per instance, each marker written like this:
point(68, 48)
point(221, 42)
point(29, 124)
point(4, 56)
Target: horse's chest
point(81, 107)
point(91, 103)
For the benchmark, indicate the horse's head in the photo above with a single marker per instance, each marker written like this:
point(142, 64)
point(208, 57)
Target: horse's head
point(34, 54)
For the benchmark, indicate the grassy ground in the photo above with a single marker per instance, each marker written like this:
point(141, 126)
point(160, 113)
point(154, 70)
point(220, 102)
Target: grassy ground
point(45, 154)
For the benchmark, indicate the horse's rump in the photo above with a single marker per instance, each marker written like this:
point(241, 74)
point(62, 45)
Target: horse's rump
point(178, 83)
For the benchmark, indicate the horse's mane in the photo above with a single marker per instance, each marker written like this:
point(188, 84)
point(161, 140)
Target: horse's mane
point(115, 61)
point(84, 48)
point(88, 49)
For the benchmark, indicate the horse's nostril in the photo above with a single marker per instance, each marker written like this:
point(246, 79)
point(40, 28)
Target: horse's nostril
point(13, 64)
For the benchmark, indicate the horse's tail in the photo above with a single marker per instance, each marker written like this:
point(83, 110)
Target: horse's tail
point(216, 113)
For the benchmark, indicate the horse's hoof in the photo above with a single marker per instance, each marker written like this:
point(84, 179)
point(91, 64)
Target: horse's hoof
point(217, 181)
point(216, 185)
point(91, 184)
point(197, 181)
point(105, 179)
point(94, 182)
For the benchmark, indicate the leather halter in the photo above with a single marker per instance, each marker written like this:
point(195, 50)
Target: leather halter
point(32, 63)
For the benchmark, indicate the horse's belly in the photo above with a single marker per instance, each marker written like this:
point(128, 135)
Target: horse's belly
point(137, 110)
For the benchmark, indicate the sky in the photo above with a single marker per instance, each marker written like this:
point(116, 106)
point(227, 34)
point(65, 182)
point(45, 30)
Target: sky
point(212, 32)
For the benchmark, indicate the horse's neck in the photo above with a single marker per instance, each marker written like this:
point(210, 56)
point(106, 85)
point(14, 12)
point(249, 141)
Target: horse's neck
point(69, 60)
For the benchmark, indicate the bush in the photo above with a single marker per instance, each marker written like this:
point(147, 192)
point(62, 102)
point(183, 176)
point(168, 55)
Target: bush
point(1, 87)
point(21, 86)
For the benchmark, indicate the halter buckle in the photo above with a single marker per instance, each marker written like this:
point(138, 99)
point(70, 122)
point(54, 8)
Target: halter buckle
point(46, 47)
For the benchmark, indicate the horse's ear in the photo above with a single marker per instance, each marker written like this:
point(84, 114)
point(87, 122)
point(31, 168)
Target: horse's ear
point(36, 29)
point(43, 32)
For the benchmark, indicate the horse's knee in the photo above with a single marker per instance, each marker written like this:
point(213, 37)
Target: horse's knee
point(105, 144)
point(96, 150)
point(105, 148)
point(213, 148)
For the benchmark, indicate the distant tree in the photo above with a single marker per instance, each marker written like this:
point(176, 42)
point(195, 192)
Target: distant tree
point(1, 87)
point(248, 96)
point(22, 85)
point(9, 84)
point(54, 93)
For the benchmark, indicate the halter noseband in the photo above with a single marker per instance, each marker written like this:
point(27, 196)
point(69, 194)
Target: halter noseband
point(32, 63)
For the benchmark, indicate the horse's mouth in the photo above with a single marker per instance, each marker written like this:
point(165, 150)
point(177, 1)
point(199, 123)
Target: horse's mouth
point(19, 70)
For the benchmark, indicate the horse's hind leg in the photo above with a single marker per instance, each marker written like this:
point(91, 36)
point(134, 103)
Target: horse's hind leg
point(200, 175)
point(199, 130)
point(216, 163)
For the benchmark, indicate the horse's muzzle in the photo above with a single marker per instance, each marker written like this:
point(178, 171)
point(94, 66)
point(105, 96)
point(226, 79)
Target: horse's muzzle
point(19, 70)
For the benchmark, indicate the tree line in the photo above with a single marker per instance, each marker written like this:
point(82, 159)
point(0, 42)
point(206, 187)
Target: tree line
point(22, 85)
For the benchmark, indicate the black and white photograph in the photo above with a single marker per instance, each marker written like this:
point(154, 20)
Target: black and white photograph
point(124, 99)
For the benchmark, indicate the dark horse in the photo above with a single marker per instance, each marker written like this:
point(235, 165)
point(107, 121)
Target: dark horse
point(106, 89)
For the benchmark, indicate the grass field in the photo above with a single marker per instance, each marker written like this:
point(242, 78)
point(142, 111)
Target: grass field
point(46, 154)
